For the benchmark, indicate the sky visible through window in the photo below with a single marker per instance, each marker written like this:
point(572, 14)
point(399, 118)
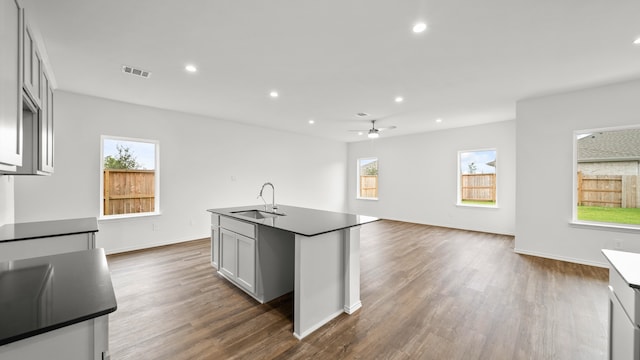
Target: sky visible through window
point(144, 152)
point(480, 161)
point(364, 162)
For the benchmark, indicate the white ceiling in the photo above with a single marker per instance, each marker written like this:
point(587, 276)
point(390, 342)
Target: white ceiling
point(330, 59)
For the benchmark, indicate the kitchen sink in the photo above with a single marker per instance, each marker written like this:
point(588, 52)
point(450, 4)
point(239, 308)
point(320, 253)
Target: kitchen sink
point(257, 214)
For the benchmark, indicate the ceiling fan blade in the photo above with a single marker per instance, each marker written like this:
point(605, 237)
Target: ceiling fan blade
point(387, 128)
point(364, 130)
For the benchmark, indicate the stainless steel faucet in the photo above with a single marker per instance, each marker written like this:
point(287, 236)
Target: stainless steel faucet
point(273, 196)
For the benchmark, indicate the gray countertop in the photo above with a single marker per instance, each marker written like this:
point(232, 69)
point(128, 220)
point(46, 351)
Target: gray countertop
point(627, 264)
point(298, 220)
point(42, 229)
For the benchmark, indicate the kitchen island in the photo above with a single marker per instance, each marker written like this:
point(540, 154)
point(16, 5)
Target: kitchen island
point(314, 253)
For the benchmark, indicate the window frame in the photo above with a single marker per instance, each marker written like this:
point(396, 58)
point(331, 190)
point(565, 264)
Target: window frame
point(156, 206)
point(358, 197)
point(574, 207)
point(459, 174)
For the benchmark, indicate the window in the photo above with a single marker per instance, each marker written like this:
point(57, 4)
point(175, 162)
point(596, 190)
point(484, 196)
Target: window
point(368, 178)
point(477, 178)
point(129, 181)
point(607, 163)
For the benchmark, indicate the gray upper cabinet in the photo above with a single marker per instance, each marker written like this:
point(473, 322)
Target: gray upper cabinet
point(31, 66)
point(26, 101)
point(11, 24)
point(45, 133)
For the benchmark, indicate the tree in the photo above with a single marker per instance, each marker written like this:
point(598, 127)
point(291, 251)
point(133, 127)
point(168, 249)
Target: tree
point(472, 168)
point(125, 159)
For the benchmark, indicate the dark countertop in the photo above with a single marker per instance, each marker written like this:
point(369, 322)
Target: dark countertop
point(42, 229)
point(302, 221)
point(627, 264)
point(46, 293)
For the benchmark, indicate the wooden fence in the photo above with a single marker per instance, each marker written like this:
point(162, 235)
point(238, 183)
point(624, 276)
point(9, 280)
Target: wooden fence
point(129, 191)
point(608, 190)
point(369, 186)
point(478, 187)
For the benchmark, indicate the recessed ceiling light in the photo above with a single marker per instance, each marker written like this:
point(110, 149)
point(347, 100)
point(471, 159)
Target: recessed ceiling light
point(399, 99)
point(419, 27)
point(311, 121)
point(637, 41)
point(360, 133)
point(273, 94)
point(438, 120)
point(191, 68)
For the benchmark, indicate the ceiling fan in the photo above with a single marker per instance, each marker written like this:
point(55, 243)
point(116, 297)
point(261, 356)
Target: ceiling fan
point(374, 132)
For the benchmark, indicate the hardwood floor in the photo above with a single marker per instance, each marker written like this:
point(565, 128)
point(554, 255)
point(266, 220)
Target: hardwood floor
point(427, 293)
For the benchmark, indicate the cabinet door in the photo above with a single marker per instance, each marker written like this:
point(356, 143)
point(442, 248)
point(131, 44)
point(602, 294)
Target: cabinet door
point(10, 85)
point(246, 274)
point(215, 247)
point(228, 253)
point(624, 337)
point(32, 66)
point(45, 131)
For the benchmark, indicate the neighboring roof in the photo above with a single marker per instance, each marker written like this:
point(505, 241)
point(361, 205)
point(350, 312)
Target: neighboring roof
point(619, 145)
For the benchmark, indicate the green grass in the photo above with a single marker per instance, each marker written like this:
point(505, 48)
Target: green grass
point(476, 202)
point(610, 215)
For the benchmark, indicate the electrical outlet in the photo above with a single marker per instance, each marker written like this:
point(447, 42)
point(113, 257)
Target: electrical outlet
point(156, 227)
point(191, 222)
point(618, 244)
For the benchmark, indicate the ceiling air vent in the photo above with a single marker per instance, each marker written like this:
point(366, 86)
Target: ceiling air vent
point(135, 71)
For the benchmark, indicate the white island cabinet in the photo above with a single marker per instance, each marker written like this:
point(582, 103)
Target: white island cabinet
point(314, 253)
point(624, 305)
point(238, 253)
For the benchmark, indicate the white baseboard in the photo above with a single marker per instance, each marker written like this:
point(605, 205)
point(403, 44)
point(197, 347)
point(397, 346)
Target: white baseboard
point(147, 246)
point(350, 309)
point(317, 326)
point(561, 258)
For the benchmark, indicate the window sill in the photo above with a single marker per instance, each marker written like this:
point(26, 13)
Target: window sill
point(605, 226)
point(361, 198)
point(478, 206)
point(128, 216)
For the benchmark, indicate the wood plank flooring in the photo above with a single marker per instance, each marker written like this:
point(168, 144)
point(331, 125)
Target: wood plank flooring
point(427, 293)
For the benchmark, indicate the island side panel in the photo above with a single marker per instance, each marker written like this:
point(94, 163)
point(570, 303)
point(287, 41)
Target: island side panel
point(352, 266)
point(275, 270)
point(319, 281)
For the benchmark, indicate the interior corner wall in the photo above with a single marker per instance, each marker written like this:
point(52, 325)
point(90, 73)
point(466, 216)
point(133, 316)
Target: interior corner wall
point(418, 177)
point(545, 129)
point(204, 163)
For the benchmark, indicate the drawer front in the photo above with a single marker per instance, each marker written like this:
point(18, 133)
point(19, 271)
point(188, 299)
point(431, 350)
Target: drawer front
point(238, 226)
point(628, 296)
point(215, 220)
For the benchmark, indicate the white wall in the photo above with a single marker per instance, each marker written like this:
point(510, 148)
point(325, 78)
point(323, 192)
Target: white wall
point(204, 163)
point(6, 199)
point(544, 130)
point(418, 177)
